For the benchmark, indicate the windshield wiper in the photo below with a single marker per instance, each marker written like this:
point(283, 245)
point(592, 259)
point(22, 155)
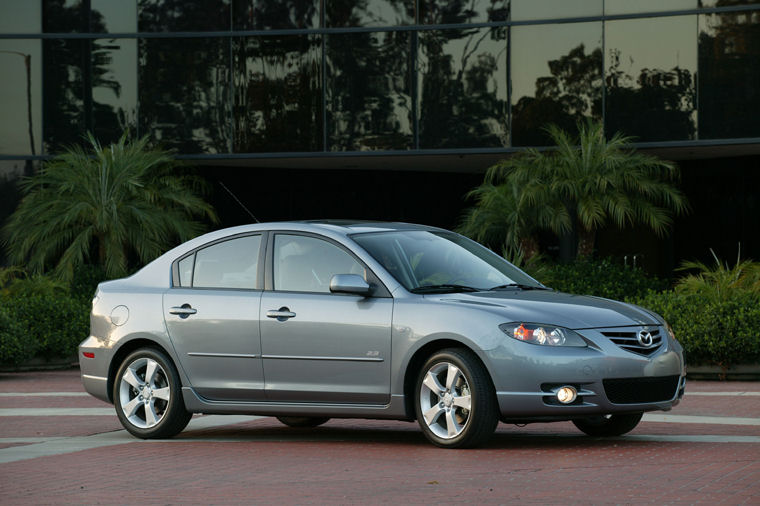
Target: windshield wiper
point(518, 285)
point(444, 288)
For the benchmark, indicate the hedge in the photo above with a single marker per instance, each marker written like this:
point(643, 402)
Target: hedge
point(46, 326)
point(601, 278)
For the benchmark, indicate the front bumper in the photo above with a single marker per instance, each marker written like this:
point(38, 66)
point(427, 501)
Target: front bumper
point(608, 379)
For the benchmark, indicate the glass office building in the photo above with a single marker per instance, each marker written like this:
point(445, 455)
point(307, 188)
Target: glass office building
point(389, 108)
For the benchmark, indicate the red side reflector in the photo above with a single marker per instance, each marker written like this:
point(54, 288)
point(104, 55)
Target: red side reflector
point(88, 354)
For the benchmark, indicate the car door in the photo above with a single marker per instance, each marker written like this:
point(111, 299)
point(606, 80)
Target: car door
point(318, 346)
point(212, 316)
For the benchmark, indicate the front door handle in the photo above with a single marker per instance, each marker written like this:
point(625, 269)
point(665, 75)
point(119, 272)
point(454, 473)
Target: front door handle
point(183, 311)
point(281, 314)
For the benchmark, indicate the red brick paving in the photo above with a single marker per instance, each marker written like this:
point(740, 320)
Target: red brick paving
point(410, 472)
point(41, 381)
point(371, 461)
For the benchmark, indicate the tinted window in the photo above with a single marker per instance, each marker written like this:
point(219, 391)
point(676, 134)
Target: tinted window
point(228, 264)
point(306, 264)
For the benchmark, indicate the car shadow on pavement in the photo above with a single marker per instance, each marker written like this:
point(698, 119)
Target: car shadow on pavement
point(400, 433)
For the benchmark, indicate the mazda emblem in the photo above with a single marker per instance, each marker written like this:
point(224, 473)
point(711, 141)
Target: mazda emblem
point(645, 338)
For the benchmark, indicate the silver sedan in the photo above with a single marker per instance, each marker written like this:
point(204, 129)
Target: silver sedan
point(311, 320)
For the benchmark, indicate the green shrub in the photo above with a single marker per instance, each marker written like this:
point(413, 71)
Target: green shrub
point(14, 347)
point(85, 281)
point(601, 278)
point(50, 325)
point(712, 332)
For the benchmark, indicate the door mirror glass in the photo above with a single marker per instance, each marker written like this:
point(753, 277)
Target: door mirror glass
point(349, 283)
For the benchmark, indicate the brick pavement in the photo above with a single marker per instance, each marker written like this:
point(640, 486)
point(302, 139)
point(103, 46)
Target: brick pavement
point(371, 461)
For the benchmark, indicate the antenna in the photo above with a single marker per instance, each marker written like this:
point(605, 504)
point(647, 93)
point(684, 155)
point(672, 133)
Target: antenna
point(238, 201)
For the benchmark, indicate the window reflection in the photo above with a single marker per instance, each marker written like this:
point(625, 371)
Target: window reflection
point(183, 15)
point(725, 3)
point(20, 16)
point(523, 10)
point(650, 75)
point(20, 97)
point(438, 12)
point(184, 93)
point(369, 105)
point(275, 14)
point(114, 88)
point(463, 88)
point(278, 97)
point(117, 17)
point(629, 7)
point(340, 13)
point(556, 78)
point(729, 75)
point(61, 16)
point(64, 90)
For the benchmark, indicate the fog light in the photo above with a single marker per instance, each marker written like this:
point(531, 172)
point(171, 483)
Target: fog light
point(566, 395)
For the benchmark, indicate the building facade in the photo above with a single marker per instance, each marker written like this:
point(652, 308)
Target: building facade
point(391, 108)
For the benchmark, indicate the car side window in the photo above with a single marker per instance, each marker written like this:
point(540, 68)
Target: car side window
point(306, 264)
point(228, 264)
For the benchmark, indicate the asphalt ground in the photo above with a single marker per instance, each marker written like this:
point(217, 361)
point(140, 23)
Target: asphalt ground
point(60, 446)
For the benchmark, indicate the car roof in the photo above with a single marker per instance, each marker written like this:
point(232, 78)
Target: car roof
point(362, 226)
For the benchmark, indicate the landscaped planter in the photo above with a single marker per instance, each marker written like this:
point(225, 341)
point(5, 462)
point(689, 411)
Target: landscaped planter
point(742, 372)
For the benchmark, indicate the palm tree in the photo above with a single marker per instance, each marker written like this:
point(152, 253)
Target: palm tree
point(112, 203)
point(584, 184)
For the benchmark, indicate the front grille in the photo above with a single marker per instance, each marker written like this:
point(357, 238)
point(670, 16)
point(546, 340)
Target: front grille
point(638, 390)
point(629, 340)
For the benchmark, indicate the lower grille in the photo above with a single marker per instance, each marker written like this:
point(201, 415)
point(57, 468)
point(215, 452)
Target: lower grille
point(638, 390)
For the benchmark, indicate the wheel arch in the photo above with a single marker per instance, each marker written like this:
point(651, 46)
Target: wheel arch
point(418, 359)
point(126, 349)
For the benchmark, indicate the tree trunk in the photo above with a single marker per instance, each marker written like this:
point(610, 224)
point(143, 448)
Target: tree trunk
point(586, 242)
point(529, 246)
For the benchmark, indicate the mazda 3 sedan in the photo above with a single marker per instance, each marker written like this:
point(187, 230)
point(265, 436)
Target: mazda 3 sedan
point(311, 320)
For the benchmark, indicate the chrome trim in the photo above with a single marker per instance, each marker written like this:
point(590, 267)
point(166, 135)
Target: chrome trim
point(340, 359)
point(223, 355)
point(91, 377)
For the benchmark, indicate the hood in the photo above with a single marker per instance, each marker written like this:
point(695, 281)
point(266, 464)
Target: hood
point(555, 308)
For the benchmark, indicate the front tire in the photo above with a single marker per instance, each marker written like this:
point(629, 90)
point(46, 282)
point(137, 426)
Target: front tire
point(455, 401)
point(302, 421)
point(146, 394)
point(608, 425)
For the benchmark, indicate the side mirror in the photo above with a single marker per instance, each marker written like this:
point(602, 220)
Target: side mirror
point(349, 283)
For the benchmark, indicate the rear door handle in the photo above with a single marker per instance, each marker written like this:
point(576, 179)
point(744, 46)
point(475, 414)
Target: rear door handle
point(281, 314)
point(183, 311)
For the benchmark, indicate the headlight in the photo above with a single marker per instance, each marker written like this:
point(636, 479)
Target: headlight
point(670, 331)
point(547, 335)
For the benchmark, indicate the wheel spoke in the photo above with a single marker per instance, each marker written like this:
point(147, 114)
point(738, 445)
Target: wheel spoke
point(163, 393)
point(131, 378)
point(451, 424)
point(431, 381)
point(130, 408)
point(150, 371)
point(462, 401)
point(151, 417)
point(451, 376)
point(432, 414)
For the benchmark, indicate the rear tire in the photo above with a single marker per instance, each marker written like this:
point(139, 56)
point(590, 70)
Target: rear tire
point(302, 421)
point(147, 396)
point(608, 425)
point(455, 401)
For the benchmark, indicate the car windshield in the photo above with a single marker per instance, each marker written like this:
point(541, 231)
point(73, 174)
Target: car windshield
point(424, 261)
